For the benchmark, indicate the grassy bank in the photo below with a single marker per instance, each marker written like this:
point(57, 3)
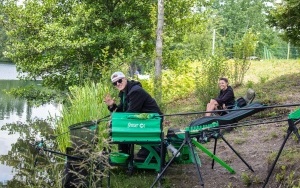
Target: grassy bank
point(275, 82)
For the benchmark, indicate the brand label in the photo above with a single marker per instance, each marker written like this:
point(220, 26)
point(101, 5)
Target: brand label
point(136, 125)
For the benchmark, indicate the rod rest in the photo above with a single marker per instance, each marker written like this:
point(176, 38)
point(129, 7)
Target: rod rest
point(231, 117)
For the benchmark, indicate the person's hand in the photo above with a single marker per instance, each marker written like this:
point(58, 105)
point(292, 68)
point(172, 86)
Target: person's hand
point(224, 106)
point(108, 100)
point(213, 101)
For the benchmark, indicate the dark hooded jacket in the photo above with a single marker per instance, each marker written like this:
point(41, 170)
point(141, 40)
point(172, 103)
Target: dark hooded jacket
point(135, 99)
point(226, 97)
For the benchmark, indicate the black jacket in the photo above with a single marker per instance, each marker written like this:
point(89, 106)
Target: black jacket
point(135, 99)
point(226, 97)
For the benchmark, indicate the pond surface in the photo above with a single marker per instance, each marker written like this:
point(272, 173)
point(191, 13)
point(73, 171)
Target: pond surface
point(16, 118)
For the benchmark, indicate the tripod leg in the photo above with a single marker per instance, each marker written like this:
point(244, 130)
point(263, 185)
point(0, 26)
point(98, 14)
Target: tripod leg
point(215, 147)
point(236, 152)
point(276, 159)
point(168, 164)
point(292, 127)
point(197, 166)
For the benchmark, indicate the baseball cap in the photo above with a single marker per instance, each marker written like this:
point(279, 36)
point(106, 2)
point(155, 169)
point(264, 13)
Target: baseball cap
point(117, 76)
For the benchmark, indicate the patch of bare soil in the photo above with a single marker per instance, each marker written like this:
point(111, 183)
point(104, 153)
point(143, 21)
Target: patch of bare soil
point(255, 144)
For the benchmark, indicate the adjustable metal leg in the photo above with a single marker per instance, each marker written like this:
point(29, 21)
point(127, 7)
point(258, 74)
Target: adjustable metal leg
point(236, 152)
point(215, 148)
point(276, 159)
point(194, 156)
point(168, 164)
point(187, 140)
point(292, 128)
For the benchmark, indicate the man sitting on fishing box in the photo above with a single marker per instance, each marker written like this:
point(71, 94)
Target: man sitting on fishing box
point(134, 99)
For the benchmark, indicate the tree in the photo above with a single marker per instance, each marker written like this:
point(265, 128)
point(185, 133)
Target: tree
point(3, 39)
point(3, 36)
point(69, 42)
point(238, 16)
point(184, 19)
point(159, 50)
point(243, 50)
point(286, 17)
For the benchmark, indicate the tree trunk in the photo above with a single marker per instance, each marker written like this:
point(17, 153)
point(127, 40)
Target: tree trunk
point(158, 50)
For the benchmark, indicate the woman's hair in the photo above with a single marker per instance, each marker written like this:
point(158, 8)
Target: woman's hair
point(224, 79)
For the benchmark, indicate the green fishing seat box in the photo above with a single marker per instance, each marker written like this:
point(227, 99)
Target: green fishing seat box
point(136, 128)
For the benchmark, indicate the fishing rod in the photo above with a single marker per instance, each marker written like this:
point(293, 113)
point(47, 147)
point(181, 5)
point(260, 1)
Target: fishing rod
point(230, 110)
point(203, 132)
point(40, 146)
point(234, 125)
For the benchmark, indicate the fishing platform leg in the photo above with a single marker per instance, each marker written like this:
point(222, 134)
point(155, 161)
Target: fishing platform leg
point(292, 128)
point(214, 157)
point(215, 147)
point(187, 141)
point(221, 136)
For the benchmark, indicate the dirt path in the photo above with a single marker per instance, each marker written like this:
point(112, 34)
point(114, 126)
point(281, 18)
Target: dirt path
point(266, 139)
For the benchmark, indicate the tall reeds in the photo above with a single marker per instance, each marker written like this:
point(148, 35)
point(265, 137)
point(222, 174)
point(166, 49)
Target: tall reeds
point(84, 104)
point(84, 112)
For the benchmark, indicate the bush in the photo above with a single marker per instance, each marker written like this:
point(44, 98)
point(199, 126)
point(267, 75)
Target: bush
point(207, 78)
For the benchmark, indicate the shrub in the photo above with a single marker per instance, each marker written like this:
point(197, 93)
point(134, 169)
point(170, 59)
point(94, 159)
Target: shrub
point(207, 78)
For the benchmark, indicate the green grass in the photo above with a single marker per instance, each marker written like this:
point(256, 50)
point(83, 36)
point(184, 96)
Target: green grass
point(240, 141)
point(140, 179)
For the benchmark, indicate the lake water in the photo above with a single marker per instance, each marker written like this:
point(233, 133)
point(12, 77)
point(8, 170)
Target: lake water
point(15, 116)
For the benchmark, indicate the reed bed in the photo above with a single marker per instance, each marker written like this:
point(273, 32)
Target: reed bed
point(84, 104)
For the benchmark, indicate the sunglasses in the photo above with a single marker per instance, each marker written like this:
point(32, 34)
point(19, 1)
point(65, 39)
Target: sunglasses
point(119, 81)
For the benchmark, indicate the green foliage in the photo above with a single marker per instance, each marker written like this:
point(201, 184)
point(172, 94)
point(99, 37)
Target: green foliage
point(67, 43)
point(263, 79)
point(181, 25)
point(237, 17)
point(207, 77)
point(84, 104)
point(246, 179)
point(140, 179)
point(3, 39)
point(283, 17)
point(239, 141)
point(36, 95)
point(287, 177)
point(177, 83)
point(243, 50)
point(249, 84)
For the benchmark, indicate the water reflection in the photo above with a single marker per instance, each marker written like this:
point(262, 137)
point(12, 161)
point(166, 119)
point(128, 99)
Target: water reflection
point(20, 125)
point(8, 71)
point(23, 154)
point(8, 104)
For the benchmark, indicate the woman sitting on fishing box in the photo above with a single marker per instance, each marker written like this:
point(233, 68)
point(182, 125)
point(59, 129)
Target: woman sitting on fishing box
point(225, 98)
